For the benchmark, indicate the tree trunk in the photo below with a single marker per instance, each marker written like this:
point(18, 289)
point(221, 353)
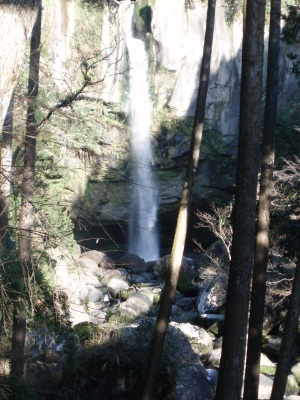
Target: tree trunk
point(16, 21)
point(288, 340)
point(5, 177)
point(168, 293)
point(263, 222)
point(18, 342)
point(238, 295)
point(27, 209)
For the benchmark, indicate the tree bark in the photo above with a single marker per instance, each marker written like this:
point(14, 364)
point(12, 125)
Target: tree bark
point(5, 174)
point(168, 293)
point(230, 379)
point(263, 221)
point(290, 330)
point(27, 209)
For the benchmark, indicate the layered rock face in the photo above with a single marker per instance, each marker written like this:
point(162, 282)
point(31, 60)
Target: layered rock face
point(173, 35)
point(178, 32)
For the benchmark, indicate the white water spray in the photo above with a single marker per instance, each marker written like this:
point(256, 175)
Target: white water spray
point(143, 230)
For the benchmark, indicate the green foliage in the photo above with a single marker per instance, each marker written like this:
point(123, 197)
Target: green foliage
point(142, 14)
point(16, 389)
point(93, 3)
point(88, 332)
point(71, 349)
point(233, 8)
point(291, 29)
point(29, 285)
point(287, 136)
point(286, 211)
point(14, 282)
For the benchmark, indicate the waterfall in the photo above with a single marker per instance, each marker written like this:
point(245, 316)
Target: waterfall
point(143, 230)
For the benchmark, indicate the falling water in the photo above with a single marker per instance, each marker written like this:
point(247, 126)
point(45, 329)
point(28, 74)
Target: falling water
point(143, 231)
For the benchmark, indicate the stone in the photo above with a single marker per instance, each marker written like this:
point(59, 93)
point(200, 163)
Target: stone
point(106, 275)
point(267, 367)
point(265, 387)
point(78, 314)
point(102, 260)
point(212, 296)
point(292, 387)
point(201, 342)
point(94, 295)
point(87, 278)
point(186, 275)
point(136, 305)
point(271, 344)
point(192, 384)
point(115, 286)
point(87, 264)
point(215, 357)
point(132, 262)
point(187, 303)
point(296, 371)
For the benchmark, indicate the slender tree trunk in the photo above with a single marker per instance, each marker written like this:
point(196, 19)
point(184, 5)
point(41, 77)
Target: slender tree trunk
point(18, 342)
point(27, 209)
point(290, 330)
point(230, 379)
point(263, 222)
point(5, 173)
point(167, 297)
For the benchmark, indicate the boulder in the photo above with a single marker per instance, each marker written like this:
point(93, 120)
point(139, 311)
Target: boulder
point(187, 303)
point(115, 286)
point(87, 264)
point(94, 295)
point(296, 371)
point(215, 357)
point(292, 387)
point(212, 296)
point(106, 275)
point(192, 384)
point(265, 387)
point(267, 367)
point(201, 342)
point(136, 305)
point(102, 260)
point(132, 262)
point(212, 283)
point(186, 275)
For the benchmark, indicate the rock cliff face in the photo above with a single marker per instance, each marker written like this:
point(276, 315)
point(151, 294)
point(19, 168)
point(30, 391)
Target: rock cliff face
point(173, 33)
